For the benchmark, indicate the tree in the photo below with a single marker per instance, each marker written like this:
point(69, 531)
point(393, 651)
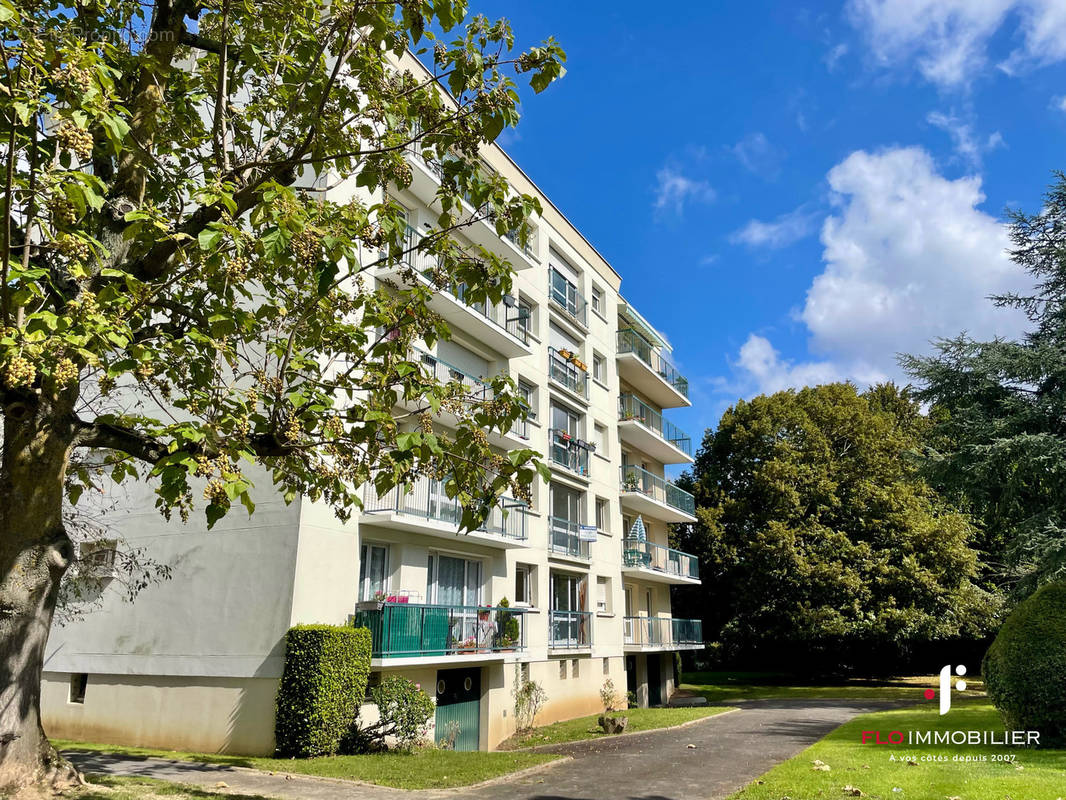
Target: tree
point(820, 547)
point(182, 292)
point(1001, 407)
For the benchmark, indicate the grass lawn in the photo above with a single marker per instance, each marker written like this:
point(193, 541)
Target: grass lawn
point(422, 769)
point(724, 686)
point(640, 719)
point(1034, 775)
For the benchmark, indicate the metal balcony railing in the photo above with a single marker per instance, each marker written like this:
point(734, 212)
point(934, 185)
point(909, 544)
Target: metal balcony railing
point(399, 630)
point(631, 407)
point(426, 498)
point(629, 341)
point(637, 479)
point(569, 452)
point(564, 538)
point(507, 315)
point(648, 555)
point(661, 631)
point(565, 296)
point(443, 372)
point(564, 372)
point(569, 630)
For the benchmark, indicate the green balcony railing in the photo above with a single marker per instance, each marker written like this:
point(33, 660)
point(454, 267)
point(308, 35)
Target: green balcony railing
point(564, 372)
point(648, 555)
point(569, 630)
point(408, 630)
point(565, 296)
point(569, 452)
point(564, 538)
point(427, 499)
point(629, 341)
point(661, 631)
point(636, 479)
point(631, 407)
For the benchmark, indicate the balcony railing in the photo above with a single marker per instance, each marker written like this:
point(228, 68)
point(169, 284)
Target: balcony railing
point(565, 540)
point(648, 555)
point(565, 296)
point(629, 341)
point(569, 630)
point(443, 372)
point(569, 452)
point(507, 316)
point(636, 479)
point(564, 372)
point(631, 407)
point(406, 630)
point(661, 631)
point(428, 500)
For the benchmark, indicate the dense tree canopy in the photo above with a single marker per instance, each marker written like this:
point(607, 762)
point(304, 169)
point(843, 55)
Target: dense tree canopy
point(184, 291)
point(820, 547)
point(1001, 411)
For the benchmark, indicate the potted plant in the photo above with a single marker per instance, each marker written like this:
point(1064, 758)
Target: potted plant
point(566, 355)
point(509, 630)
point(631, 484)
point(376, 603)
point(467, 645)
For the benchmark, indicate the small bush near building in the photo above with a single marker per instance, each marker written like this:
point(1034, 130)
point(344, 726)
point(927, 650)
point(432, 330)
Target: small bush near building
point(1024, 668)
point(323, 683)
point(404, 711)
point(529, 698)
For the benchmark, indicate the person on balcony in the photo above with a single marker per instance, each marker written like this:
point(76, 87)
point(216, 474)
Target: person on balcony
point(486, 630)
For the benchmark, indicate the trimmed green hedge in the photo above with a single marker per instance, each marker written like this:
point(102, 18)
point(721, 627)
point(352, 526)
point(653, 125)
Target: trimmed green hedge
point(324, 682)
point(1025, 668)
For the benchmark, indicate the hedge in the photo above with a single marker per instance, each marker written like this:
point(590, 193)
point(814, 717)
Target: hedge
point(1025, 668)
point(322, 686)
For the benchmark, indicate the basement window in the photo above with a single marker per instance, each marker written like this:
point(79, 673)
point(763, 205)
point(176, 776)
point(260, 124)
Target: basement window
point(78, 682)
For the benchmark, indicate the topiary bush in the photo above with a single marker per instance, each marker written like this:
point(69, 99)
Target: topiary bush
point(1025, 668)
point(324, 681)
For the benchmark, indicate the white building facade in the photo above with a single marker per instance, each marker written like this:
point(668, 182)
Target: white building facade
point(568, 591)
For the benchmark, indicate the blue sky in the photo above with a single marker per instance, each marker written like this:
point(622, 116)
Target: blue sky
point(796, 192)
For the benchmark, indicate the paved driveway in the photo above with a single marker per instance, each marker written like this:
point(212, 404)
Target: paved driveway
point(729, 751)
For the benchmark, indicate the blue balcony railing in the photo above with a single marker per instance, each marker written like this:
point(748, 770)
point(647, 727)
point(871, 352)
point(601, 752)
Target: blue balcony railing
point(569, 630)
point(648, 555)
point(631, 407)
point(636, 479)
point(406, 630)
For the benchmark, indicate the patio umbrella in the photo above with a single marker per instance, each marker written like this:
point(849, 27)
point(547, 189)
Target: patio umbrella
point(637, 531)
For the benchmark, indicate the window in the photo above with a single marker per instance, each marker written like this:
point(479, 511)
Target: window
point(599, 368)
point(525, 315)
point(523, 585)
point(78, 682)
point(453, 581)
point(528, 393)
point(567, 504)
point(565, 420)
point(603, 594)
point(373, 570)
point(597, 299)
point(99, 554)
point(603, 514)
point(599, 438)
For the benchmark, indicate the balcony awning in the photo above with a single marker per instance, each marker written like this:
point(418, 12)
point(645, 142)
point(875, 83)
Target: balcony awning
point(642, 326)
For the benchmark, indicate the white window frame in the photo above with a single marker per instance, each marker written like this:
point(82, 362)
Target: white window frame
point(364, 561)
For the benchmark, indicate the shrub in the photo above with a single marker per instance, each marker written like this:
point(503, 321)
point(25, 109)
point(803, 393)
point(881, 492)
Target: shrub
point(404, 711)
point(608, 695)
point(529, 697)
point(1024, 668)
point(323, 683)
point(509, 630)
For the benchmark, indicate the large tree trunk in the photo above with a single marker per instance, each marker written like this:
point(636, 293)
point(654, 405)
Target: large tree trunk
point(34, 553)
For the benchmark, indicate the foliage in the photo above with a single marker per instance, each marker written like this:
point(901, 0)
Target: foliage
point(324, 680)
point(819, 545)
point(1024, 668)
point(509, 630)
point(608, 695)
point(529, 698)
point(404, 711)
point(1001, 411)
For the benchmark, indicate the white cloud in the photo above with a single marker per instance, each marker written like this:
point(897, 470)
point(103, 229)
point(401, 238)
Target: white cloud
point(832, 58)
point(908, 256)
point(758, 155)
point(674, 190)
point(967, 143)
point(949, 39)
point(1059, 103)
point(781, 232)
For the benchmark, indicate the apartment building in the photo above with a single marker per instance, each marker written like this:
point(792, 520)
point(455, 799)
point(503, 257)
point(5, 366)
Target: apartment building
point(569, 590)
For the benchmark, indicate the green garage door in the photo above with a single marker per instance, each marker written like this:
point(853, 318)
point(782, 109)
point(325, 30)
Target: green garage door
point(459, 707)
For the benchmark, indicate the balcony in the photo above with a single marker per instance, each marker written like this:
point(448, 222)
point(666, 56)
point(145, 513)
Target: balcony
point(565, 540)
point(644, 428)
point(565, 297)
point(500, 327)
point(569, 630)
point(424, 507)
point(426, 176)
point(656, 497)
point(565, 373)
point(661, 633)
point(568, 452)
point(409, 633)
point(656, 562)
point(643, 367)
